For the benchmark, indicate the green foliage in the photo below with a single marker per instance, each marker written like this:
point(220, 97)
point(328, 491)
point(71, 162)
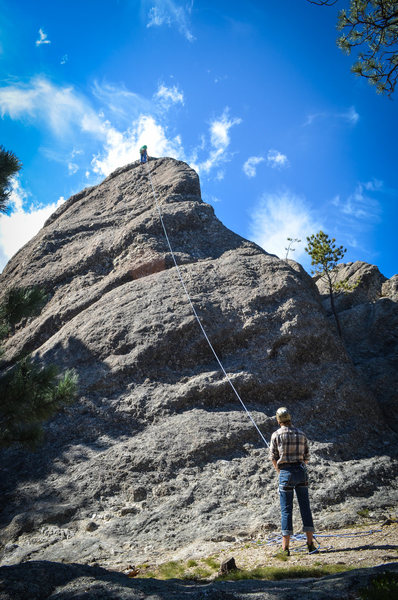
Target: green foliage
point(192, 563)
point(278, 573)
point(9, 166)
point(382, 587)
point(181, 570)
point(174, 569)
point(373, 25)
point(199, 573)
point(324, 253)
point(363, 512)
point(324, 258)
point(212, 563)
point(30, 394)
point(20, 302)
point(345, 287)
point(282, 556)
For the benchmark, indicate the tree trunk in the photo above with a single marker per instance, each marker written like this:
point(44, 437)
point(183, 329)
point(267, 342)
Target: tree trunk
point(333, 306)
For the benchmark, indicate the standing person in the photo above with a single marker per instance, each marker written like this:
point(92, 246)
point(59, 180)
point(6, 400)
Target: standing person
point(289, 454)
point(144, 154)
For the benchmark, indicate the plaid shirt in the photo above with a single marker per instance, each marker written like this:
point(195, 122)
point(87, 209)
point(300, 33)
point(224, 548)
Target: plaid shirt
point(289, 445)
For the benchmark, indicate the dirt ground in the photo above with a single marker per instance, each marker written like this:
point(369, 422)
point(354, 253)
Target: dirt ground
point(364, 546)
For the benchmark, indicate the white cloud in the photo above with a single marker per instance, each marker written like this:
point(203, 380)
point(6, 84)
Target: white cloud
point(64, 59)
point(60, 108)
point(65, 111)
point(276, 160)
point(72, 168)
point(219, 130)
point(113, 133)
point(122, 147)
point(249, 168)
point(279, 216)
point(42, 39)
point(17, 228)
point(219, 142)
point(168, 12)
point(169, 95)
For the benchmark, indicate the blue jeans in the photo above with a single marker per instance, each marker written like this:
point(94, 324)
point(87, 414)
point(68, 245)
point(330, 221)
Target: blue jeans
point(143, 157)
point(294, 477)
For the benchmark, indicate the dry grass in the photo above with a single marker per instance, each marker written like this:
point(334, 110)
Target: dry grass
point(344, 550)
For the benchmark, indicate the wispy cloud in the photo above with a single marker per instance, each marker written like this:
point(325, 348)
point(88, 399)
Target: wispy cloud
point(111, 134)
point(279, 216)
point(94, 135)
point(42, 38)
point(169, 95)
point(277, 160)
point(168, 12)
point(219, 142)
point(64, 59)
point(349, 116)
point(120, 103)
point(17, 228)
point(59, 108)
point(249, 167)
point(360, 206)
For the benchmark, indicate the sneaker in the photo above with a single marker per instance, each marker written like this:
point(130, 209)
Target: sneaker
point(312, 548)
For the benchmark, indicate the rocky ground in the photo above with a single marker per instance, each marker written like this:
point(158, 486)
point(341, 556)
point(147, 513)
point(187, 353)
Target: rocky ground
point(365, 546)
point(366, 552)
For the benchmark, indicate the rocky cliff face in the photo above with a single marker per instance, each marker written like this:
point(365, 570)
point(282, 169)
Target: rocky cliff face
point(369, 322)
point(157, 455)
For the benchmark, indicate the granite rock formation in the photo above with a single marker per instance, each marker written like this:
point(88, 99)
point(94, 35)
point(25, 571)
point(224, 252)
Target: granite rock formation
point(369, 322)
point(157, 457)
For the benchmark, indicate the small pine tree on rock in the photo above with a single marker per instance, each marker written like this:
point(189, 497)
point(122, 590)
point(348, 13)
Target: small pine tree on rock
point(324, 258)
point(9, 166)
point(29, 392)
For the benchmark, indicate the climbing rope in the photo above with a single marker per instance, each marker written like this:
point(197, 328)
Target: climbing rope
point(301, 537)
point(196, 314)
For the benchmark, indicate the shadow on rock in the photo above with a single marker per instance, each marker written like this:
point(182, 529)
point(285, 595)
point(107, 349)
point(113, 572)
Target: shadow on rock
point(43, 580)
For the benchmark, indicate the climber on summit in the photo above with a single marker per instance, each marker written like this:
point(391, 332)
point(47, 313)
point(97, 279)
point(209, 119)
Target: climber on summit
point(144, 154)
point(289, 454)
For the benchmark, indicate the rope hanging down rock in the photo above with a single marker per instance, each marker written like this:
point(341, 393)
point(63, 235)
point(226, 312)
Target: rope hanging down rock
point(196, 314)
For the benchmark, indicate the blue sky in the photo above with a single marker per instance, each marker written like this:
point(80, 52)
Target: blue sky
point(255, 95)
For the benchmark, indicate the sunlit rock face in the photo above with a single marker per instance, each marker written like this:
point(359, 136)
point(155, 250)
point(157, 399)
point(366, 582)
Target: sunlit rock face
point(157, 455)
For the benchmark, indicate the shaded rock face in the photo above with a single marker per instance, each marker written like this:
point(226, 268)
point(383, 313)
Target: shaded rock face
point(157, 455)
point(369, 322)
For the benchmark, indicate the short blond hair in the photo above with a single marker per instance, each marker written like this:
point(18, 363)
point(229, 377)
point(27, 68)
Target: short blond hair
point(283, 415)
